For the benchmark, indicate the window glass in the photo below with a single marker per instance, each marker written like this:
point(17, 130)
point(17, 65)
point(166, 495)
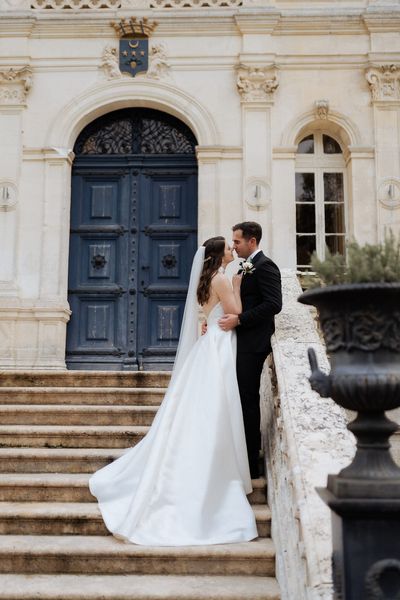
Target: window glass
point(330, 145)
point(305, 187)
point(306, 244)
point(334, 218)
point(306, 146)
point(333, 187)
point(305, 218)
point(335, 243)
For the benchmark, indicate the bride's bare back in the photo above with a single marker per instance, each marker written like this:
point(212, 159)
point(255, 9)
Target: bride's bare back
point(221, 290)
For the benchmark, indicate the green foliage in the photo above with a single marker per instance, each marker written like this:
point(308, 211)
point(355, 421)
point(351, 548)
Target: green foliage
point(370, 263)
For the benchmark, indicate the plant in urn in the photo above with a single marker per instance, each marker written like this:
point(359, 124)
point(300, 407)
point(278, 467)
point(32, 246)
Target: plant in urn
point(359, 312)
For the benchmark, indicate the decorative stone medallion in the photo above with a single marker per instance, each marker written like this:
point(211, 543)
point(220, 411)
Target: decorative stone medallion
point(8, 196)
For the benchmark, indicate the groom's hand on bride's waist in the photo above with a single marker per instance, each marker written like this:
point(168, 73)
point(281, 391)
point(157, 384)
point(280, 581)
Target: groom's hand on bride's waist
point(228, 322)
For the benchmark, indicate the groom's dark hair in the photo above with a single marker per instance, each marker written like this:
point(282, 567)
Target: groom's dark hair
point(249, 229)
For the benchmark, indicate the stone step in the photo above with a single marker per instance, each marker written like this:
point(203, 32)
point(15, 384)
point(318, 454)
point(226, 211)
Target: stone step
point(151, 396)
point(67, 487)
point(139, 379)
point(137, 587)
point(65, 436)
point(106, 555)
point(48, 414)
point(56, 460)
point(73, 518)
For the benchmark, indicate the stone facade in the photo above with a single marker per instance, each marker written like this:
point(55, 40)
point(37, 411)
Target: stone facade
point(249, 77)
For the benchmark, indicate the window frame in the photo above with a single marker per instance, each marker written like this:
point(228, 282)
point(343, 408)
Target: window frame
point(319, 163)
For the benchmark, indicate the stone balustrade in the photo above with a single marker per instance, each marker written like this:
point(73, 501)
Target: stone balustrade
point(305, 438)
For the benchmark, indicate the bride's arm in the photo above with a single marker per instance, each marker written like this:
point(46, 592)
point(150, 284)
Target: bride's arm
point(229, 295)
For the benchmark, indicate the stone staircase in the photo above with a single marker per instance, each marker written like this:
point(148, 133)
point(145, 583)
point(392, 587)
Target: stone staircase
point(56, 429)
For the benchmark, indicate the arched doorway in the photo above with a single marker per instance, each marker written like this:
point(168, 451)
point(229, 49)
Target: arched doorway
point(133, 236)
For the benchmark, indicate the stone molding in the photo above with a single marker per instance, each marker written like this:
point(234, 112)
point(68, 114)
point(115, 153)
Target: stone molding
point(257, 83)
point(50, 155)
point(15, 85)
point(114, 94)
point(339, 123)
point(384, 82)
point(212, 153)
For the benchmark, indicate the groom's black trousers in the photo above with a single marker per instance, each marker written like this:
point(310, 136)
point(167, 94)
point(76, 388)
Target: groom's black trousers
point(249, 366)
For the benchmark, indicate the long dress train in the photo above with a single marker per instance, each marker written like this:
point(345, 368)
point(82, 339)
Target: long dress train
point(186, 482)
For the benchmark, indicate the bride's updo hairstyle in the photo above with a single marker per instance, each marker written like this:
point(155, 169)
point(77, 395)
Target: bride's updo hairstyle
point(213, 255)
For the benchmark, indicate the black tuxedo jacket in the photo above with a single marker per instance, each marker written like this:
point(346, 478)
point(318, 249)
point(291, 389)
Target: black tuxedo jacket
point(261, 296)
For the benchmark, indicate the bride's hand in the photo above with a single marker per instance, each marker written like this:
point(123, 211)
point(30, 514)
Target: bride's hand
point(237, 280)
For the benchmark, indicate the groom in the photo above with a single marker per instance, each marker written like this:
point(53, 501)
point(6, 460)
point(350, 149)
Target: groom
point(261, 297)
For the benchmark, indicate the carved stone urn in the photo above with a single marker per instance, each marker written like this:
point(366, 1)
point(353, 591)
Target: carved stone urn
point(361, 327)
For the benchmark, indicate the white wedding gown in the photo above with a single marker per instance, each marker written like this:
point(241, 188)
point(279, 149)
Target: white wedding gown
point(186, 482)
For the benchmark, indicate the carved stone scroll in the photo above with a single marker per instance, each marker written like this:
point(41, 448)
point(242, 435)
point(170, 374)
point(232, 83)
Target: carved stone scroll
point(257, 83)
point(15, 85)
point(384, 82)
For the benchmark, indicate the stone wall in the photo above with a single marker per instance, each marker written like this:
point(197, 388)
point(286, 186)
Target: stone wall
point(305, 438)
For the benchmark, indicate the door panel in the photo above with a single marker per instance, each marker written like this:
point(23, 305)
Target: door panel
point(98, 293)
point(168, 242)
point(133, 236)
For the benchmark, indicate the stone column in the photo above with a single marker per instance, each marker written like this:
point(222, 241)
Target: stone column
point(284, 212)
point(208, 222)
point(220, 193)
point(256, 84)
point(384, 83)
point(14, 87)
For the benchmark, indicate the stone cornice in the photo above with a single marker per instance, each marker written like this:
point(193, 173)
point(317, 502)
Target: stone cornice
point(255, 23)
point(382, 20)
point(320, 24)
point(216, 21)
point(42, 313)
point(211, 153)
point(51, 155)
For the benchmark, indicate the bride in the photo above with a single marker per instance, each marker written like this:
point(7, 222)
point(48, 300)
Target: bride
point(186, 482)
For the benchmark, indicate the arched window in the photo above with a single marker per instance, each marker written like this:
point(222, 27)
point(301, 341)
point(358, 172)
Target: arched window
point(320, 198)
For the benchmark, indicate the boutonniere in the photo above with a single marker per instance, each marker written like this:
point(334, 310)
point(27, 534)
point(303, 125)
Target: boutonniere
point(247, 267)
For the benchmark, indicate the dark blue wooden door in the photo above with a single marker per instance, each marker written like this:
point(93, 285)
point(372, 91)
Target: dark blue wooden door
point(133, 236)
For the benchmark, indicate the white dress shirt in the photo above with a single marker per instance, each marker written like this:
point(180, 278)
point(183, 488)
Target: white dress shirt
point(254, 253)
